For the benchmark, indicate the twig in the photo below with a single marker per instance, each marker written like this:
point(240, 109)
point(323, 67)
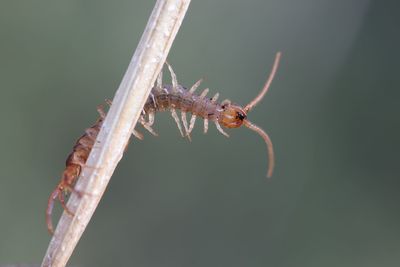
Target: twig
point(121, 119)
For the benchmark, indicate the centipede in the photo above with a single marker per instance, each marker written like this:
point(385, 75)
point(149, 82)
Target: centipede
point(171, 97)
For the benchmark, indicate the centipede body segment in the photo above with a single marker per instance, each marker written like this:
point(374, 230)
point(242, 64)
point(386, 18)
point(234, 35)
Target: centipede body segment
point(166, 98)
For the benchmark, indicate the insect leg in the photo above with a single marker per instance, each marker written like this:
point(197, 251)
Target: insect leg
point(137, 134)
point(214, 98)
point(185, 124)
point(151, 119)
point(220, 129)
point(204, 93)
point(192, 121)
point(147, 125)
point(159, 81)
point(173, 78)
point(176, 118)
point(153, 99)
point(108, 101)
point(100, 110)
point(151, 122)
point(205, 125)
point(195, 86)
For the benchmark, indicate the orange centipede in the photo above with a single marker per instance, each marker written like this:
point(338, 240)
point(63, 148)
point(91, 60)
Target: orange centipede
point(162, 98)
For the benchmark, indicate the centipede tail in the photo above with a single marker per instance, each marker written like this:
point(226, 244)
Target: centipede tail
point(74, 164)
point(49, 210)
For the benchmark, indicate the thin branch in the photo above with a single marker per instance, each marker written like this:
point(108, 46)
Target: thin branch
point(121, 119)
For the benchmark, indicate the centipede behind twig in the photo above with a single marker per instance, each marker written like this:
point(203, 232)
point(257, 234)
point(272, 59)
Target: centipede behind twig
point(162, 98)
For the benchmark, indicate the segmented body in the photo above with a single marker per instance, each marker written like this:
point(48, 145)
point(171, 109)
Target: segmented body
point(166, 98)
point(162, 98)
point(73, 167)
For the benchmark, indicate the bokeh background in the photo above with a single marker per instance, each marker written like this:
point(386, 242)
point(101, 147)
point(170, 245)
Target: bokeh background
point(332, 113)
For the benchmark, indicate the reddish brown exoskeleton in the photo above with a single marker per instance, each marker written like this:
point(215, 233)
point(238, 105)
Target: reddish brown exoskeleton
point(74, 165)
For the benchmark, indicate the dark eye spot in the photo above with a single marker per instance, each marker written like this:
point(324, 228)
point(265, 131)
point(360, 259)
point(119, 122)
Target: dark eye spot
point(240, 116)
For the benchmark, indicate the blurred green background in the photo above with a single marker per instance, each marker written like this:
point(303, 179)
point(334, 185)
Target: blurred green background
point(332, 113)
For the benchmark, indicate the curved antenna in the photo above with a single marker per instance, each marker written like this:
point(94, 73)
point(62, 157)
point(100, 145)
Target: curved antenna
point(258, 98)
point(268, 141)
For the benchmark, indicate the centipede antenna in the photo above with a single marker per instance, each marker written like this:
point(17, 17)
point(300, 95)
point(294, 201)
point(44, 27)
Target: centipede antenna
point(185, 125)
point(268, 141)
point(260, 96)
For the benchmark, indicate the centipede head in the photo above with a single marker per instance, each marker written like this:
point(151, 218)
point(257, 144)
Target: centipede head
point(234, 116)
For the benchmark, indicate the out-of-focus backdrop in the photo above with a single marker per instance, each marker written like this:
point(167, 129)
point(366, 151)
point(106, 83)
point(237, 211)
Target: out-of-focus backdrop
point(332, 112)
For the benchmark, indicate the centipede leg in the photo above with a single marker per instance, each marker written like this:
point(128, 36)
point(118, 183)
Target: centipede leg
point(147, 125)
point(159, 81)
point(137, 134)
point(150, 122)
point(220, 129)
point(108, 101)
point(214, 98)
point(195, 86)
point(100, 110)
point(192, 121)
point(185, 125)
point(173, 78)
point(205, 125)
point(204, 93)
point(176, 118)
point(154, 99)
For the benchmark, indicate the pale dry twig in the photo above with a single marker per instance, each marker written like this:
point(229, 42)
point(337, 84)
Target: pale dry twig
point(121, 119)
